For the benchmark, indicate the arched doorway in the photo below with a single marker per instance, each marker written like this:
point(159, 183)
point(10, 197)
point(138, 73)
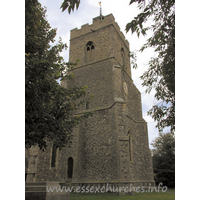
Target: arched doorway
point(70, 167)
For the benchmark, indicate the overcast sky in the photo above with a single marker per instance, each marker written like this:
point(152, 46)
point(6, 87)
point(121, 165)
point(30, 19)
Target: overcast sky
point(123, 13)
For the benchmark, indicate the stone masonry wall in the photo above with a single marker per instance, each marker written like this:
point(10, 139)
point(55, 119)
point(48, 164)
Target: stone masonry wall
point(99, 79)
point(98, 148)
point(107, 38)
point(58, 173)
point(129, 115)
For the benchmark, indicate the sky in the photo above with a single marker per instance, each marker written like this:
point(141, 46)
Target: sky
point(123, 13)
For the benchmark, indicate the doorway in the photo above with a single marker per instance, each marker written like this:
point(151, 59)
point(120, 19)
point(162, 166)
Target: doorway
point(70, 167)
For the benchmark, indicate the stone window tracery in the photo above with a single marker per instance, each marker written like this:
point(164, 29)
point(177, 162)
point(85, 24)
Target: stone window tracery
point(90, 52)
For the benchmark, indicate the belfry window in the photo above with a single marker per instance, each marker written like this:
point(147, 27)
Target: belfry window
point(90, 49)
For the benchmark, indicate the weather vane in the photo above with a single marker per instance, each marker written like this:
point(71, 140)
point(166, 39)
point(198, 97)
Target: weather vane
point(100, 10)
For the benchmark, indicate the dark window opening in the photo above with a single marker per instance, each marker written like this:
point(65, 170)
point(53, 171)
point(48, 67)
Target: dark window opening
point(87, 105)
point(122, 57)
point(26, 167)
point(53, 158)
point(89, 56)
point(130, 147)
point(90, 43)
point(70, 167)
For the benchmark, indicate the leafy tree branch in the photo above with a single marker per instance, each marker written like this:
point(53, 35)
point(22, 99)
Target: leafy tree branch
point(49, 107)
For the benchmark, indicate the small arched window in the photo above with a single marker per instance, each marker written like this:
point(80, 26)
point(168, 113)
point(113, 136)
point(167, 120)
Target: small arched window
point(130, 146)
point(87, 105)
point(90, 49)
point(122, 57)
point(54, 155)
point(70, 167)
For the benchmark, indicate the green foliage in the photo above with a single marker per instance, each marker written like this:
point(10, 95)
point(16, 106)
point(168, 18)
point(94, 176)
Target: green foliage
point(70, 5)
point(49, 107)
point(161, 72)
point(133, 57)
point(164, 159)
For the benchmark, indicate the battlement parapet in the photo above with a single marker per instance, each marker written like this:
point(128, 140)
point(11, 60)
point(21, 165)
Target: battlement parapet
point(97, 24)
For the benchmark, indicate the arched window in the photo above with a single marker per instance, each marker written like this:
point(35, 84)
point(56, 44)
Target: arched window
point(70, 167)
point(90, 49)
point(87, 105)
point(130, 146)
point(54, 155)
point(122, 57)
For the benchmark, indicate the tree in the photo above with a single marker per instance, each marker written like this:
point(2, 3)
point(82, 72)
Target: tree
point(49, 108)
point(164, 159)
point(161, 72)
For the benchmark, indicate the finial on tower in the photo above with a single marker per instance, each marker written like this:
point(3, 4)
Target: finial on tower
point(101, 16)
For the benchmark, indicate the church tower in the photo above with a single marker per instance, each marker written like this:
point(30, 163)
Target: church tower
point(112, 146)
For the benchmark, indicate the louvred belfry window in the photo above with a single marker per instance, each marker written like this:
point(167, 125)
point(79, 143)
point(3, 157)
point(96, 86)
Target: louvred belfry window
point(90, 52)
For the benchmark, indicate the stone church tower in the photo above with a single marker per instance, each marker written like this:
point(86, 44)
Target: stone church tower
point(112, 146)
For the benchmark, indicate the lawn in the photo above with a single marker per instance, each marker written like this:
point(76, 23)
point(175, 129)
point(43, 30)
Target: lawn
point(169, 195)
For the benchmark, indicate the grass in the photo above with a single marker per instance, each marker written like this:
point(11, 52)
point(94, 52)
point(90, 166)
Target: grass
point(169, 195)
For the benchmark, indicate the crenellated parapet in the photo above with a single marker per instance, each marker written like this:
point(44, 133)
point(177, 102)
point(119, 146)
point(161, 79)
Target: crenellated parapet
point(98, 24)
